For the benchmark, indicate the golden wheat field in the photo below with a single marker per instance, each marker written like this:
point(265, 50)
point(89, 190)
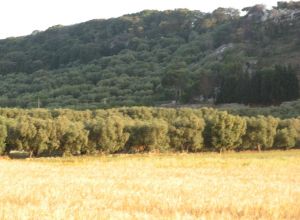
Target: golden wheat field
point(172, 186)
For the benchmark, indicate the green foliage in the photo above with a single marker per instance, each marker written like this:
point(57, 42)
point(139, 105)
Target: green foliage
point(267, 86)
point(72, 136)
point(24, 135)
point(225, 131)
point(260, 132)
point(287, 135)
point(186, 133)
point(148, 136)
point(175, 78)
point(111, 135)
point(286, 138)
point(284, 111)
point(150, 58)
point(41, 132)
point(3, 135)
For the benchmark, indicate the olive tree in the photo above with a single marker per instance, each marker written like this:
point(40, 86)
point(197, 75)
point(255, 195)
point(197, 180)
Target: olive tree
point(287, 133)
point(108, 135)
point(224, 131)
point(148, 136)
point(186, 133)
point(72, 136)
point(260, 132)
point(3, 135)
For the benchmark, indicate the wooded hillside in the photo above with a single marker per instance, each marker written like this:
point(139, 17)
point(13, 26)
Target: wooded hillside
point(155, 57)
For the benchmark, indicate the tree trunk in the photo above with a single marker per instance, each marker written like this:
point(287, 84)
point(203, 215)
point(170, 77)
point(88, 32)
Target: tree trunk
point(221, 150)
point(182, 148)
point(259, 148)
point(178, 96)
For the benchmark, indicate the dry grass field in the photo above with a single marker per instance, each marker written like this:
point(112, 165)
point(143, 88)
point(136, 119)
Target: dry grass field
point(172, 186)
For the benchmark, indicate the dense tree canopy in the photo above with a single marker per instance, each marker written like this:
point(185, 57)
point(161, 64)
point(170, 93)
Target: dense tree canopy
point(139, 129)
point(260, 132)
point(154, 57)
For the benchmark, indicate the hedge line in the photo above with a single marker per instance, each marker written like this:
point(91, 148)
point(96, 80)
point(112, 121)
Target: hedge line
point(140, 129)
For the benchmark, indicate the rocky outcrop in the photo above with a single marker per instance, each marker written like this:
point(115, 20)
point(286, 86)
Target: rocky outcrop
point(285, 11)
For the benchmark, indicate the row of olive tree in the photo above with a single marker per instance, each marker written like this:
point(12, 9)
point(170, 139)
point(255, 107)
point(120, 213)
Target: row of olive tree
point(130, 130)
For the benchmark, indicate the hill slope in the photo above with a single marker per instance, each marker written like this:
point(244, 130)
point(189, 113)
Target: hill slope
point(154, 57)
